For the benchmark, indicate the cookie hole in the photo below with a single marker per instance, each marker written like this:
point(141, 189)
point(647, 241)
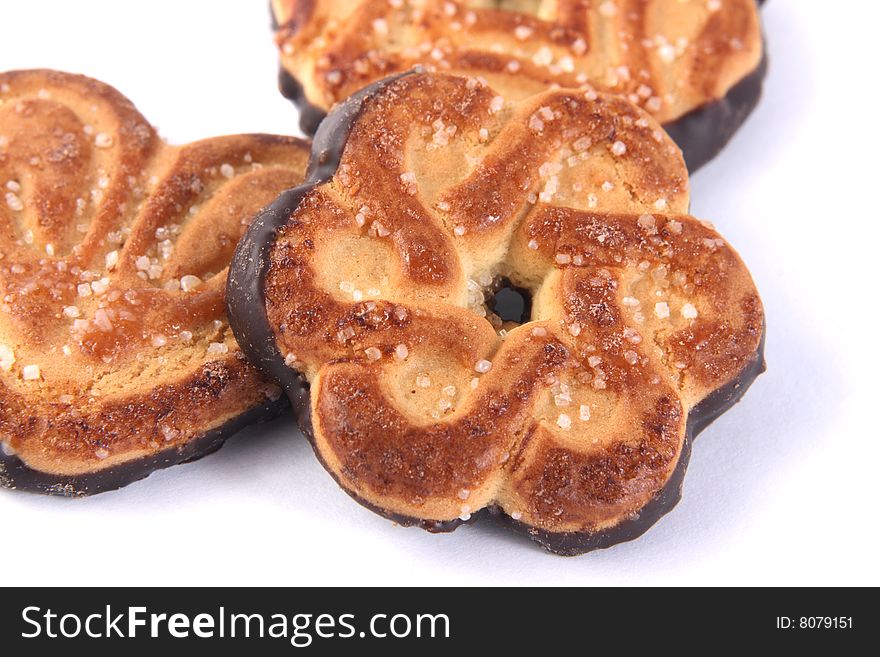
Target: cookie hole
point(511, 303)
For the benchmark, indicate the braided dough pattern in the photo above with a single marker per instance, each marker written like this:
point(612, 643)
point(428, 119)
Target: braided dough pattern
point(668, 56)
point(114, 345)
point(569, 424)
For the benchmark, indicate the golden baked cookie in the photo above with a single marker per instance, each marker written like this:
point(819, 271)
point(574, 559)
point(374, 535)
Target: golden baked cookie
point(696, 65)
point(364, 293)
point(115, 354)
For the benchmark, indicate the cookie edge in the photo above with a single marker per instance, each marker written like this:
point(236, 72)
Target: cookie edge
point(15, 474)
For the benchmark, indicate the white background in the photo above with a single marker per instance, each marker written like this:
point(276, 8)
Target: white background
point(781, 490)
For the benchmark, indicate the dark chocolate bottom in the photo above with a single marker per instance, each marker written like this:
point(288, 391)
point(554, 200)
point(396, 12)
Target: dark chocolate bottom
point(15, 473)
point(310, 116)
point(702, 134)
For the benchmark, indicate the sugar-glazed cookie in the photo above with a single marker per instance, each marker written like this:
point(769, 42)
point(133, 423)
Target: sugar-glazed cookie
point(115, 354)
point(364, 294)
point(696, 65)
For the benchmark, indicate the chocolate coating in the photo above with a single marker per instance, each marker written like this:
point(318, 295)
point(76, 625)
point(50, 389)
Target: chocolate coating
point(310, 116)
point(702, 134)
point(246, 307)
point(15, 474)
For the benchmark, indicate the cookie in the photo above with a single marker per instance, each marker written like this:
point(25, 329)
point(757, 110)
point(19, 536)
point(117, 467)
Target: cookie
point(116, 358)
point(364, 293)
point(696, 65)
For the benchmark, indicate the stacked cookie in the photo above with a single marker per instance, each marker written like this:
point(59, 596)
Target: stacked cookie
point(696, 65)
point(368, 287)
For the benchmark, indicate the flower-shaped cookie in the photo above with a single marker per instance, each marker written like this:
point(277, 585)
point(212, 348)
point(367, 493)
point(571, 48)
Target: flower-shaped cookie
point(369, 284)
point(115, 354)
point(696, 65)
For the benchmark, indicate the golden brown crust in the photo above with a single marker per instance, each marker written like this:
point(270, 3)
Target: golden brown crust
point(668, 56)
point(104, 359)
point(572, 422)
